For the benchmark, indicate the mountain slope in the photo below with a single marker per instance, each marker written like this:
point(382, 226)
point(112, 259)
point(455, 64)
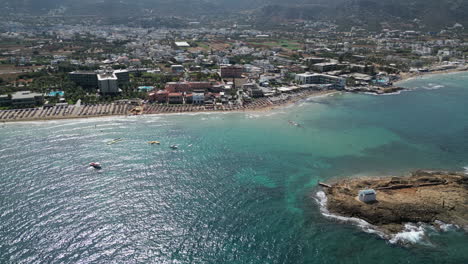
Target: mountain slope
point(434, 13)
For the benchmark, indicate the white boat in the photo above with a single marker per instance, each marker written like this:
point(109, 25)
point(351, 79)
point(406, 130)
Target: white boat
point(294, 123)
point(174, 147)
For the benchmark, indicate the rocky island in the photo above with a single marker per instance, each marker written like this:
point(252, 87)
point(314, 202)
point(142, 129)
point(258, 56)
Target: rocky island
point(430, 197)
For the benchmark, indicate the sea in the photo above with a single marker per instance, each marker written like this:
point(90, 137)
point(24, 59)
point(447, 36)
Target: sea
point(240, 188)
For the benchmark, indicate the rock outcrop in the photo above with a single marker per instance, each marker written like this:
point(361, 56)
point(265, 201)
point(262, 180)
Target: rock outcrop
point(424, 196)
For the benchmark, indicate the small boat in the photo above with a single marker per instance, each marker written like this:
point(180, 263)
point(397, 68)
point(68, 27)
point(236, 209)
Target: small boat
point(174, 147)
point(114, 141)
point(294, 123)
point(154, 142)
point(95, 165)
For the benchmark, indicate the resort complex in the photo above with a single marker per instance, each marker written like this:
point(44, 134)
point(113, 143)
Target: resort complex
point(206, 67)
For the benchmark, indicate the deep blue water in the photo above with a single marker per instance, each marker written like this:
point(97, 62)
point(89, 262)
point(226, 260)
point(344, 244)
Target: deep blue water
point(240, 188)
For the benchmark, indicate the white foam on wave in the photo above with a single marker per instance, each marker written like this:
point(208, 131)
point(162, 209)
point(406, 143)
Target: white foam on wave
point(322, 200)
point(433, 86)
point(412, 233)
point(466, 170)
point(254, 115)
point(386, 94)
point(446, 227)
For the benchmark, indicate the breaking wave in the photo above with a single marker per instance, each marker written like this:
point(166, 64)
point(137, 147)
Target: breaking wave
point(387, 94)
point(322, 200)
point(446, 227)
point(411, 234)
point(433, 86)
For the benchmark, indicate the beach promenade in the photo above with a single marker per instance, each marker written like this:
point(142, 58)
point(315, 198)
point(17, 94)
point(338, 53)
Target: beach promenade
point(121, 109)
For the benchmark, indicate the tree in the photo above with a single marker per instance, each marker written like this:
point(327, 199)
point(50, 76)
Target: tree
point(350, 81)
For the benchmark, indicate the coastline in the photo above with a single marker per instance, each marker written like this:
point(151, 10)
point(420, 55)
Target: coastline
point(402, 204)
point(258, 105)
point(405, 76)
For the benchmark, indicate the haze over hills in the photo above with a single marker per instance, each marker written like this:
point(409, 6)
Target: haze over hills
point(433, 13)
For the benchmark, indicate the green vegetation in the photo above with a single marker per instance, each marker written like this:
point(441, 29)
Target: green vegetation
point(200, 77)
point(287, 44)
point(202, 45)
point(242, 59)
point(151, 79)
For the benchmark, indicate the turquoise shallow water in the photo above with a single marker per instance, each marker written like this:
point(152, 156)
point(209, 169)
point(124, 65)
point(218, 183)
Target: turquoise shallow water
point(238, 190)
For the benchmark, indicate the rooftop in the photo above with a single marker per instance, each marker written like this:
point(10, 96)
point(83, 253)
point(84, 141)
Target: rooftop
point(325, 64)
point(107, 76)
point(83, 72)
point(182, 44)
point(367, 192)
point(24, 95)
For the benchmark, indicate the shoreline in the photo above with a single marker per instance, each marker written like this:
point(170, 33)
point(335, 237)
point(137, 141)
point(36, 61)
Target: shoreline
point(406, 76)
point(259, 105)
point(403, 77)
point(402, 204)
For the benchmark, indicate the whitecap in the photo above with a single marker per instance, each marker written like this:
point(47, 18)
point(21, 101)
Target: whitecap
point(412, 233)
point(433, 86)
point(446, 227)
point(386, 94)
point(321, 199)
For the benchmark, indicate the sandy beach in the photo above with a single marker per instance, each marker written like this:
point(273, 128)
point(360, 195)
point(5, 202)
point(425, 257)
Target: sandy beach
point(404, 76)
point(113, 109)
point(107, 110)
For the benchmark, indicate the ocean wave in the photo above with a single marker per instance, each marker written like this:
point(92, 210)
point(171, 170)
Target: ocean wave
point(432, 86)
point(72, 121)
point(446, 227)
point(466, 170)
point(263, 114)
point(412, 233)
point(322, 200)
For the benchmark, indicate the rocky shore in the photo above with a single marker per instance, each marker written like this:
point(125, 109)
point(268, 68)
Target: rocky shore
point(374, 89)
point(430, 197)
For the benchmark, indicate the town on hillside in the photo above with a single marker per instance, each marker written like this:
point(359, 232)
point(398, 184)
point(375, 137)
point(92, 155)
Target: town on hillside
point(65, 69)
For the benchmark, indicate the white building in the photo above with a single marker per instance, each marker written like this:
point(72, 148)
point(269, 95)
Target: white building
point(198, 98)
point(108, 83)
point(367, 196)
point(182, 44)
point(308, 78)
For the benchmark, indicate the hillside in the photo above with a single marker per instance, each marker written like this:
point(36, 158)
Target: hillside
point(433, 14)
